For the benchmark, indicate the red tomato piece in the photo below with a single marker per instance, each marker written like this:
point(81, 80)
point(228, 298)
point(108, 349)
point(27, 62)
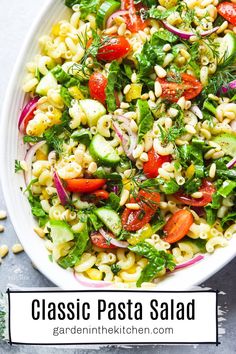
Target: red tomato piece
point(133, 21)
point(133, 220)
point(101, 194)
point(98, 240)
point(190, 87)
point(155, 161)
point(84, 185)
point(114, 48)
point(97, 86)
point(207, 190)
point(228, 10)
point(178, 226)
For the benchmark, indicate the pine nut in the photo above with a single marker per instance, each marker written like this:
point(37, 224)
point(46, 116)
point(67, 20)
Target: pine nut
point(160, 71)
point(212, 170)
point(17, 248)
point(158, 89)
point(197, 195)
point(133, 206)
point(3, 214)
point(2, 228)
point(126, 89)
point(124, 196)
point(124, 105)
point(3, 251)
point(39, 232)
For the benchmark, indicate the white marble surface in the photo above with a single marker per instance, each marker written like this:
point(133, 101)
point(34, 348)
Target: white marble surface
point(16, 17)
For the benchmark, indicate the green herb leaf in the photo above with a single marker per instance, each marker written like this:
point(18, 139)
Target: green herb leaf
point(63, 78)
point(110, 88)
point(114, 201)
point(77, 251)
point(158, 261)
point(84, 136)
point(66, 97)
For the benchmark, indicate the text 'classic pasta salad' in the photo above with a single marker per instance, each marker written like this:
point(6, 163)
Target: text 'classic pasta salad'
point(131, 129)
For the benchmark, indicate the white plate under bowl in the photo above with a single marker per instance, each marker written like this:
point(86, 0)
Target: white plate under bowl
point(18, 207)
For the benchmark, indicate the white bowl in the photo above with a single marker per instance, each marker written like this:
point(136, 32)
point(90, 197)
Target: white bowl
point(12, 148)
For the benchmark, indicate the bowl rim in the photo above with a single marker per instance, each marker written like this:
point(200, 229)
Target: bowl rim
point(51, 272)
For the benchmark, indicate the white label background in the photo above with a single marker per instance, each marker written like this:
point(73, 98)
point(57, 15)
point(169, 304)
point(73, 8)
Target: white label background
point(26, 330)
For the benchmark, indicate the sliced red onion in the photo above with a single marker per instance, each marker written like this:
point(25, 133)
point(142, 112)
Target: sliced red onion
point(189, 263)
point(113, 241)
point(231, 163)
point(230, 86)
point(196, 110)
point(29, 158)
point(115, 15)
point(115, 189)
point(82, 280)
point(27, 110)
point(186, 35)
point(61, 192)
point(129, 142)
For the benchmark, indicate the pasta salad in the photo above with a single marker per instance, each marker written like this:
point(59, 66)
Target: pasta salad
point(130, 129)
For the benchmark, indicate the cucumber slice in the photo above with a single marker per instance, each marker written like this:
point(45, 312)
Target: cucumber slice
point(107, 8)
point(103, 152)
point(227, 142)
point(198, 245)
point(227, 48)
point(60, 232)
point(46, 83)
point(111, 219)
point(93, 110)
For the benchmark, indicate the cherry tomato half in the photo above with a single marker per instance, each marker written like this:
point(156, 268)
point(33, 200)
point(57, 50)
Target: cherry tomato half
point(178, 226)
point(115, 47)
point(97, 86)
point(101, 194)
point(190, 87)
point(228, 10)
point(133, 220)
point(84, 185)
point(155, 161)
point(133, 21)
point(98, 240)
point(207, 190)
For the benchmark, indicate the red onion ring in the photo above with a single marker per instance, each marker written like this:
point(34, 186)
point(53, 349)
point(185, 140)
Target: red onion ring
point(129, 143)
point(230, 86)
point(231, 163)
point(61, 192)
point(189, 263)
point(82, 280)
point(27, 110)
point(186, 35)
point(113, 241)
point(29, 158)
point(115, 15)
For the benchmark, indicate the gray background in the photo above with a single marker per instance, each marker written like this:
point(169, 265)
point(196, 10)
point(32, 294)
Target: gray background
point(15, 19)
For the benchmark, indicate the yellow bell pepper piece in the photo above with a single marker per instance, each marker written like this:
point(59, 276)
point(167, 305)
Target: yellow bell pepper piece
point(94, 274)
point(40, 155)
point(76, 93)
point(134, 92)
point(141, 235)
point(190, 171)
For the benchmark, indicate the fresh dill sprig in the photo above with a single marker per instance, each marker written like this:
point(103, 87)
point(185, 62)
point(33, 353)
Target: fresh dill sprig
point(91, 48)
point(18, 167)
